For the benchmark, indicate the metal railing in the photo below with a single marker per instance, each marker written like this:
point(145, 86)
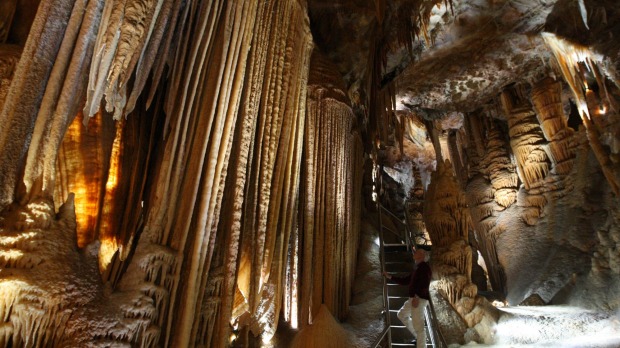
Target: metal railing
point(436, 337)
point(382, 258)
point(377, 342)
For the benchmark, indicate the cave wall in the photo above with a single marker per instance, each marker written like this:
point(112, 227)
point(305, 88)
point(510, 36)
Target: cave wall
point(176, 174)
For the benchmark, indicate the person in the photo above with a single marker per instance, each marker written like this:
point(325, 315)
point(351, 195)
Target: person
point(412, 312)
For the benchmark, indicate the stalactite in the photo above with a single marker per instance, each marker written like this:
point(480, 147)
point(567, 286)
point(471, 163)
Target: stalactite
point(128, 28)
point(27, 89)
point(573, 59)
point(332, 161)
point(152, 54)
point(455, 158)
point(473, 126)
point(501, 171)
point(9, 56)
point(434, 134)
point(547, 101)
point(526, 140)
point(275, 119)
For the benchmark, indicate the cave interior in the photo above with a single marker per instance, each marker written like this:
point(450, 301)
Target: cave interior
point(207, 173)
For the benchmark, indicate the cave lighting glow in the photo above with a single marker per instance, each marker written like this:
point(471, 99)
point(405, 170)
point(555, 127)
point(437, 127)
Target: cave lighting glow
point(568, 56)
point(109, 245)
point(10, 254)
point(10, 292)
point(557, 326)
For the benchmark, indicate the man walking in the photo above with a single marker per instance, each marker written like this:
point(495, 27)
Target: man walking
point(412, 312)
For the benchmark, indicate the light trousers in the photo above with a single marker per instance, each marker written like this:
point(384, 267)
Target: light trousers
point(413, 318)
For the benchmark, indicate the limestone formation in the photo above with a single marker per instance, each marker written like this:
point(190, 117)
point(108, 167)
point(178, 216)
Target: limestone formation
point(547, 101)
point(526, 139)
point(9, 56)
point(491, 190)
point(576, 62)
point(331, 206)
point(192, 173)
point(7, 11)
point(448, 222)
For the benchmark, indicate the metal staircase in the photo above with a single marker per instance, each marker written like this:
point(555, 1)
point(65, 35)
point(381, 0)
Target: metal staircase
point(396, 257)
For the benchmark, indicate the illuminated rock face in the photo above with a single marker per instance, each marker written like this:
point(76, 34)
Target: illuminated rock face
point(188, 173)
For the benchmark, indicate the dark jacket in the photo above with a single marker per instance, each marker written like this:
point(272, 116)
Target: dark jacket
point(418, 281)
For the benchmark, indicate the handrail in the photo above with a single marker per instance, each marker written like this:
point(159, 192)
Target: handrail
point(409, 239)
point(436, 334)
point(412, 234)
point(382, 258)
point(394, 215)
point(401, 222)
point(393, 232)
point(378, 341)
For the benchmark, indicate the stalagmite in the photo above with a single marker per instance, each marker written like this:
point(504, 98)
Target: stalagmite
point(445, 208)
point(448, 222)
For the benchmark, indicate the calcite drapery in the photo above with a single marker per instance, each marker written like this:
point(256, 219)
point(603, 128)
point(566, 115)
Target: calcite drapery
point(48, 65)
point(82, 168)
point(331, 204)
point(7, 11)
point(171, 290)
point(277, 117)
point(9, 56)
point(186, 214)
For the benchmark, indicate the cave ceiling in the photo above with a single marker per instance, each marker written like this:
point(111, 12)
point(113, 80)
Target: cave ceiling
point(472, 50)
point(437, 59)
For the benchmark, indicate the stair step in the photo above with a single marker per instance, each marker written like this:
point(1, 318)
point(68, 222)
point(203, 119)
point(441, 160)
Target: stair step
point(391, 248)
point(394, 318)
point(401, 334)
point(401, 337)
point(394, 321)
point(397, 290)
point(398, 256)
point(396, 303)
point(398, 267)
point(402, 246)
